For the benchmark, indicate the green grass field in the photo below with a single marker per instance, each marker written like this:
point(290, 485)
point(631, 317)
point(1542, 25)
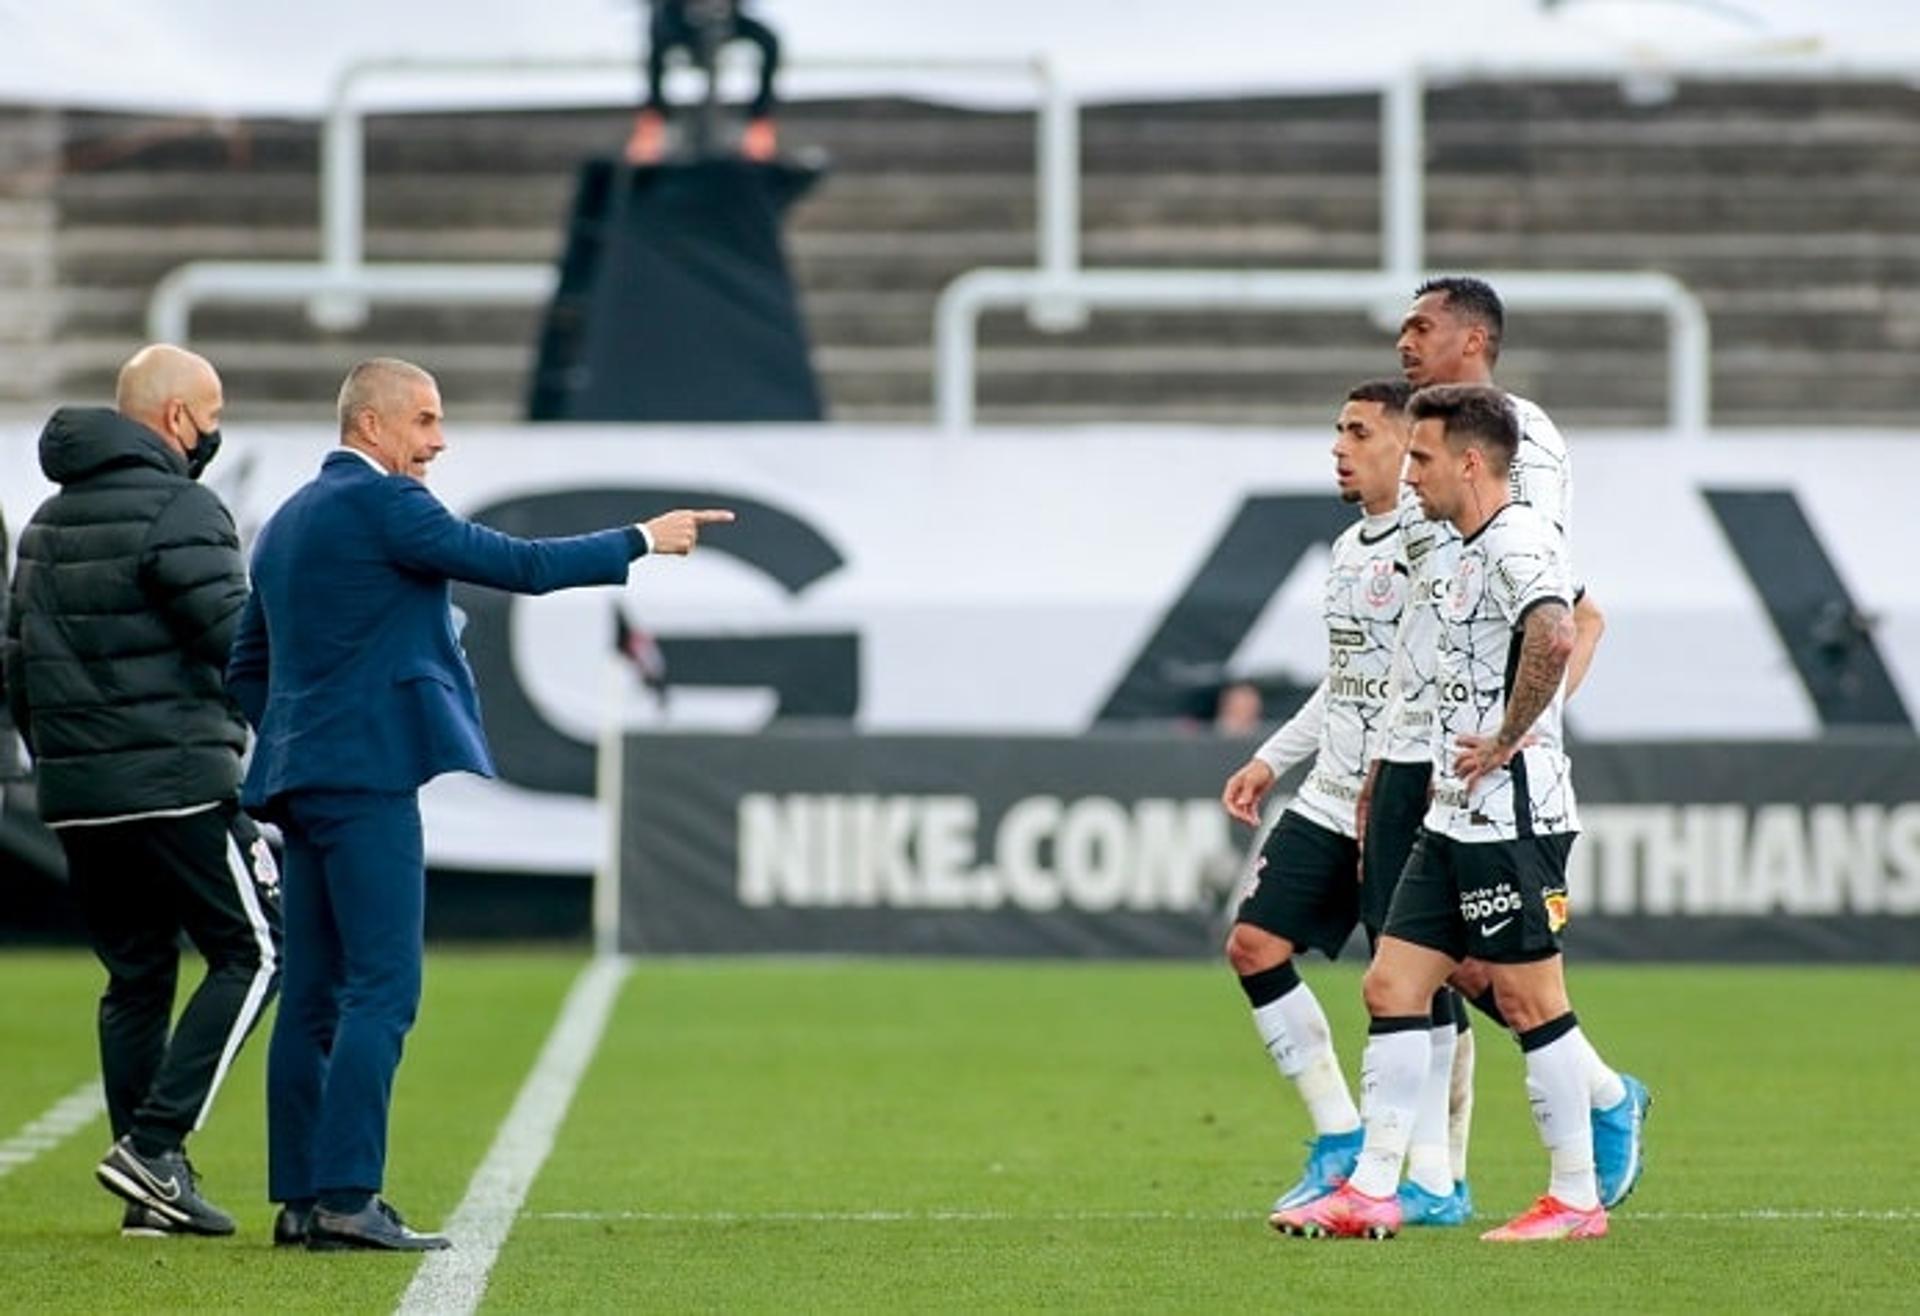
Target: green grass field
point(872, 1135)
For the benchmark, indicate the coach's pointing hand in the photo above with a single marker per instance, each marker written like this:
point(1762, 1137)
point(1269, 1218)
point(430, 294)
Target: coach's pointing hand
point(678, 531)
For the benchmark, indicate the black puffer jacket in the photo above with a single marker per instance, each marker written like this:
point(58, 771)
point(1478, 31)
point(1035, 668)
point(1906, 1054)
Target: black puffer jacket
point(9, 757)
point(127, 588)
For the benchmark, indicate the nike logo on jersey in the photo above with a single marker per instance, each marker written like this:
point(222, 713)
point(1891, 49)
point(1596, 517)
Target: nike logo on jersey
point(1488, 929)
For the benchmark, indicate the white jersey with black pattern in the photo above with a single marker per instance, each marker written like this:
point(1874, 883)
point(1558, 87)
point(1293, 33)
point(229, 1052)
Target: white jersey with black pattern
point(1514, 563)
point(1542, 477)
point(1542, 472)
point(1362, 606)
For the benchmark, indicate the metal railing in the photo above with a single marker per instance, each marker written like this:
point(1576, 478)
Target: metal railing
point(1383, 293)
point(957, 316)
point(338, 287)
point(1057, 294)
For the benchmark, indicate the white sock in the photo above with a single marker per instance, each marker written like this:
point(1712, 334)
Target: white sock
point(1297, 1036)
point(1604, 1088)
point(1557, 1090)
point(1460, 1104)
point(1392, 1070)
point(1429, 1159)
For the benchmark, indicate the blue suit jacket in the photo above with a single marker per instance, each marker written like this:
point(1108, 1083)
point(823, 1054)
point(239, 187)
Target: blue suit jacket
point(347, 662)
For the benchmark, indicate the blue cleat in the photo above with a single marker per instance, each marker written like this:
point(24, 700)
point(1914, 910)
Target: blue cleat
point(1420, 1207)
point(1618, 1136)
point(1330, 1163)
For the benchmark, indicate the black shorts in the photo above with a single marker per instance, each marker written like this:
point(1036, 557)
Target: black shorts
point(1502, 901)
point(1394, 812)
point(1308, 888)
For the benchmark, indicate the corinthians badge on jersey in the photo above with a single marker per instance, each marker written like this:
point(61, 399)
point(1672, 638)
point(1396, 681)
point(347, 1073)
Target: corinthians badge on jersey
point(1463, 595)
point(1382, 586)
point(1556, 902)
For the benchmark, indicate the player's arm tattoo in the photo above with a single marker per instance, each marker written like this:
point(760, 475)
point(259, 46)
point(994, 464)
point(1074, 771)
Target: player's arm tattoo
point(1545, 644)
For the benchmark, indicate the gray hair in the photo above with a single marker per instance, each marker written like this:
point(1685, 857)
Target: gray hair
point(374, 385)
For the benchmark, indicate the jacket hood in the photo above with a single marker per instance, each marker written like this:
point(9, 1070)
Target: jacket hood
point(83, 441)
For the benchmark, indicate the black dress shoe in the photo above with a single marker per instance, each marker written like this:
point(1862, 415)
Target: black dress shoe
point(290, 1226)
point(375, 1226)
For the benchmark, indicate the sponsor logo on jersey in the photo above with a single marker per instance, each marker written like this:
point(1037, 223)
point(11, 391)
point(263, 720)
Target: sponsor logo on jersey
point(1354, 687)
point(1506, 577)
point(1489, 902)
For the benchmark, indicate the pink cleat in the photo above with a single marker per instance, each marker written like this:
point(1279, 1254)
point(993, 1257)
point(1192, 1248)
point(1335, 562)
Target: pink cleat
point(1346, 1212)
point(1550, 1219)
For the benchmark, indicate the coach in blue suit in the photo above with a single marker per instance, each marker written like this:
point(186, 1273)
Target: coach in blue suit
point(348, 665)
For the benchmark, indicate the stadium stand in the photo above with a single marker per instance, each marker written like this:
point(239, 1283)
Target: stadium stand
point(1788, 207)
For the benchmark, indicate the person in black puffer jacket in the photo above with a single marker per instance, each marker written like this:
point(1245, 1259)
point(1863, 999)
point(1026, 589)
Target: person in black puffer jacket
point(9, 757)
point(126, 594)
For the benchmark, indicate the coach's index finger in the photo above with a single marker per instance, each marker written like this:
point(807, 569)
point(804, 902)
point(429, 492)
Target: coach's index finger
point(712, 516)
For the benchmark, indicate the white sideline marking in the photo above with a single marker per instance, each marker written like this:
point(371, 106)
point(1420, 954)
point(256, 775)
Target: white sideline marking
point(56, 1124)
point(1902, 1214)
point(875, 1217)
point(456, 1280)
point(1766, 1213)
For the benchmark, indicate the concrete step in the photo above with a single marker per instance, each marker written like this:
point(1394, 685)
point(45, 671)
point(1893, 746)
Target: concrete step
point(1113, 387)
point(887, 202)
point(1861, 316)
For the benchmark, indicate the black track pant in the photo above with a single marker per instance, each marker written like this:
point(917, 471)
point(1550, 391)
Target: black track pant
point(138, 886)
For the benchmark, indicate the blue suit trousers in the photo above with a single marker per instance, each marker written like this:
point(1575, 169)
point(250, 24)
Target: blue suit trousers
point(354, 905)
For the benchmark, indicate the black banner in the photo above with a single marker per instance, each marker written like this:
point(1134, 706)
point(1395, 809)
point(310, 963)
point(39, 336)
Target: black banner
point(1097, 845)
point(1114, 844)
point(1760, 851)
point(675, 302)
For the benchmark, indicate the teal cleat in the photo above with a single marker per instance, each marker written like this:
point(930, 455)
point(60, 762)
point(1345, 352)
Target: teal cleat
point(1330, 1163)
point(1420, 1207)
point(1618, 1143)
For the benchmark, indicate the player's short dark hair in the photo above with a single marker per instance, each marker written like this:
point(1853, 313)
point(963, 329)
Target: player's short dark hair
point(1472, 299)
point(1391, 394)
point(1471, 414)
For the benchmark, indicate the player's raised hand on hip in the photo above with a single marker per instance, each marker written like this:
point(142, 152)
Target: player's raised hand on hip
point(678, 531)
point(1245, 789)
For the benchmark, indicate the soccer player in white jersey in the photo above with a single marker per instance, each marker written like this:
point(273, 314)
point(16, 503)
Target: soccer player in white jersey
point(1305, 892)
point(1487, 878)
point(1452, 334)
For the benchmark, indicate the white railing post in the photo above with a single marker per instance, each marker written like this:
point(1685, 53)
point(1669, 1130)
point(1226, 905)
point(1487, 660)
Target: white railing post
point(1057, 194)
point(1403, 174)
point(1689, 365)
point(956, 332)
point(343, 206)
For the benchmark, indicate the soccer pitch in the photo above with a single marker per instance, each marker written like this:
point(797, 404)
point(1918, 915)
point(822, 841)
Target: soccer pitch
point(864, 1135)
